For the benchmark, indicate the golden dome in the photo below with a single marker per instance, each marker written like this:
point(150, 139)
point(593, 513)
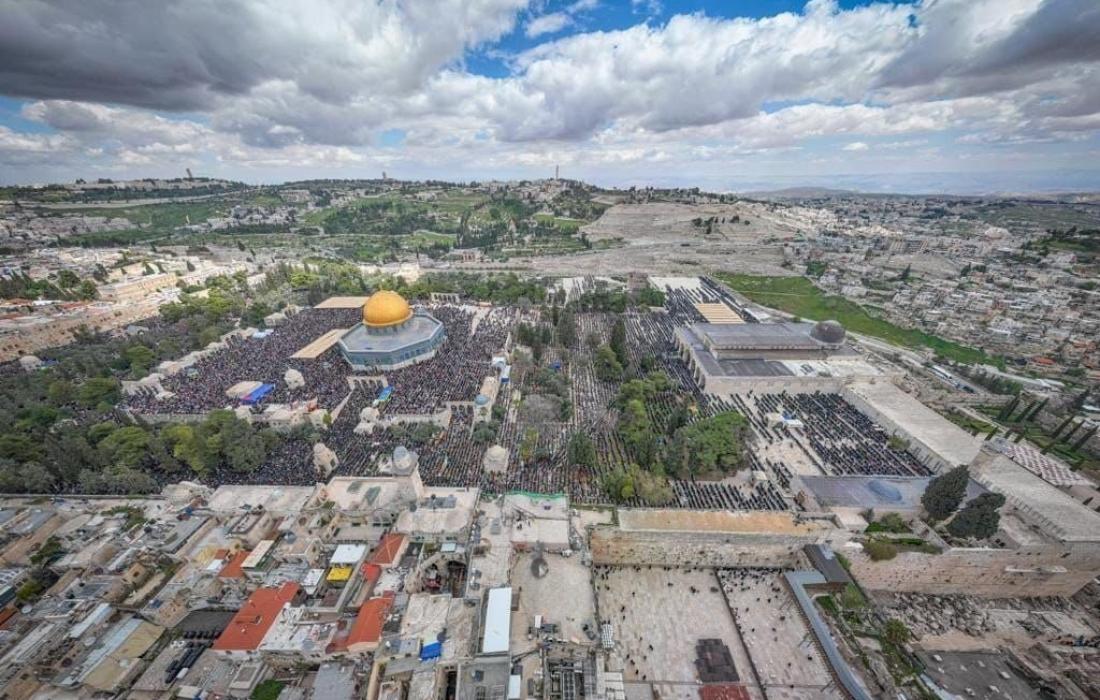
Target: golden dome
point(384, 309)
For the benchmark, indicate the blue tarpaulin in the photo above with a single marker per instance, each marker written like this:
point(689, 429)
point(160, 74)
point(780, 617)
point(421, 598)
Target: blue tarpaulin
point(257, 395)
point(431, 651)
point(385, 393)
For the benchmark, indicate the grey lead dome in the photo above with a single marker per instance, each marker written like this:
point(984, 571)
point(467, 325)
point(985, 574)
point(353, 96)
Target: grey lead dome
point(829, 332)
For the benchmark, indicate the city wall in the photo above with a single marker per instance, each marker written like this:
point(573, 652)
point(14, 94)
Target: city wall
point(612, 546)
point(1050, 570)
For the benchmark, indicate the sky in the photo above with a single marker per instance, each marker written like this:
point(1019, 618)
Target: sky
point(965, 96)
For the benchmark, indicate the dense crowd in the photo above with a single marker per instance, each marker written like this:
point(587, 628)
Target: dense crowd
point(456, 371)
point(711, 495)
point(290, 463)
point(201, 387)
point(835, 436)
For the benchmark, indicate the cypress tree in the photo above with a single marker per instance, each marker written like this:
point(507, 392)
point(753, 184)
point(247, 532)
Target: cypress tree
point(1071, 433)
point(1023, 414)
point(618, 341)
point(1035, 412)
point(1008, 408)
point(1084, 438)
point(1061, 427)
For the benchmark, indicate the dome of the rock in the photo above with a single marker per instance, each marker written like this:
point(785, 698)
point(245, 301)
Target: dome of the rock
point(386, 308)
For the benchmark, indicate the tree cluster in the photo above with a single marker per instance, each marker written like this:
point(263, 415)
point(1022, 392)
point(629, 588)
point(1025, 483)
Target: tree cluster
point(945, 492)
point(979, 518)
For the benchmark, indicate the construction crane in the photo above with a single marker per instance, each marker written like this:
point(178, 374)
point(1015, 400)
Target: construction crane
point(189, 175)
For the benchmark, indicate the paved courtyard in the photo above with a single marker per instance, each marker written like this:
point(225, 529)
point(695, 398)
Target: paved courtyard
point(777, 637)
point(658, 615)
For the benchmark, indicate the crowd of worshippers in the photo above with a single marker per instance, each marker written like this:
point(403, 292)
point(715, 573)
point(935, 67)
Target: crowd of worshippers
point(459, 366)
point(202, 386)
point(651, 336)
point(680, 302)
point(454, 458)
point(289, 463)
point(454, 374)
point(720, 495)
point(835, 436)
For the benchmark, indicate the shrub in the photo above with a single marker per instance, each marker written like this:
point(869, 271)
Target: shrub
point(880, 550)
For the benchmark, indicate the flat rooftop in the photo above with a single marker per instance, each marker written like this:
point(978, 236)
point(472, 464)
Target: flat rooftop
point(319, 345)
point(763, 522)
point(758, 336)
point(440, 519)
point(1054, 511)
point(426, 617)
point(691, 284)
point(718, 313)
point(362, 493)
point(886, 492)
point(342, 303)
point(1046, 467)
point(275, 499)
point(947, 440)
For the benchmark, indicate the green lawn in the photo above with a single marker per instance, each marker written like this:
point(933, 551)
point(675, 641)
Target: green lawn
point(967, 423)
point(425, 237)
point(564, 223)
point(162, 217)
point(799, 296)
point(458, 203)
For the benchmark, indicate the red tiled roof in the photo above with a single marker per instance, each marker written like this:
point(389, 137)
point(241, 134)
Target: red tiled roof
point(255, 618)
point(723, 691)
point(371, 574)
point(370, 620)
point(233, 569)
point(387, 550)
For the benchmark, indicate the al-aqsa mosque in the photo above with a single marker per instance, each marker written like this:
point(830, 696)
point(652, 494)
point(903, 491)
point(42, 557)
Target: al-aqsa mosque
point(391, 335)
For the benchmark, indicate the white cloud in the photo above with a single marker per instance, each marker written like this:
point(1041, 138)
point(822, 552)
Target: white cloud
point(265, 83)
point(647, 7)
point(547, 24)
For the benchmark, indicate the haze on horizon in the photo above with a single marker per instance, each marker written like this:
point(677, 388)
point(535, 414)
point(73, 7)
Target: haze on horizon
point(964, 96)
